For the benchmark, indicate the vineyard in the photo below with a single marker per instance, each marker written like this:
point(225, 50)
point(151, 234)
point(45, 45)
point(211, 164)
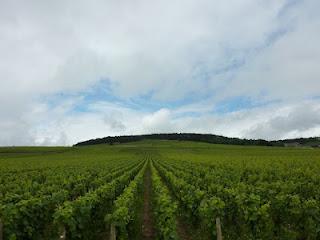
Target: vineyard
point(159, 190)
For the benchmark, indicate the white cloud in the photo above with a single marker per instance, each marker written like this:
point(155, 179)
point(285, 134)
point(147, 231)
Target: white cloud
point(159, 121)
point(141, 46)
point(58, 127)
point(288, 68)
point(293, 121)
point(169, 49)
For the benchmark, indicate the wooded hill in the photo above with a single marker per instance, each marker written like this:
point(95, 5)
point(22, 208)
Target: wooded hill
point(208, 138)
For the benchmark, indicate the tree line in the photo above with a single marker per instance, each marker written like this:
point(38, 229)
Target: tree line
point(208, 138)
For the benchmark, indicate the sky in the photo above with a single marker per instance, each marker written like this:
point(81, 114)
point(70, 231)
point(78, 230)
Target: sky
point(76, 70)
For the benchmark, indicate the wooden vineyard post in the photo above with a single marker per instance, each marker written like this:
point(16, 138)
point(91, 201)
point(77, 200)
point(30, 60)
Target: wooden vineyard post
point(62, 234)
point(1, 229)
point(113, 235)
point(218, 226)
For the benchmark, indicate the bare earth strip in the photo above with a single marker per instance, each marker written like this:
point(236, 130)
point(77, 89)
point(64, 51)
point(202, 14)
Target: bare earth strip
point(148, 231)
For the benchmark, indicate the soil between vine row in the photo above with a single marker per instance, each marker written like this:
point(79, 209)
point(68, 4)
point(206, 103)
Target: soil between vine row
point(148, 230)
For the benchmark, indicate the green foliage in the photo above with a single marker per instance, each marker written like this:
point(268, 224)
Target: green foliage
point(125, 205)
point(165, 208)
point(257, 192)
point(39, 198)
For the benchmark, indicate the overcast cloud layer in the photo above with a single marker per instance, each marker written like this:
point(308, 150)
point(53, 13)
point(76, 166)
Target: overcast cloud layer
point(75, 70)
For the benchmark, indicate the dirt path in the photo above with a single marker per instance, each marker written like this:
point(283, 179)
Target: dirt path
point(148, 231)
point(181, 230)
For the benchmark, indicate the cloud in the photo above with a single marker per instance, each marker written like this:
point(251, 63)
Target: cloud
point(183, 59)
point(139, 46)
point(159, 121)
point(285, 69)
point(57, 126)
point(295, 121)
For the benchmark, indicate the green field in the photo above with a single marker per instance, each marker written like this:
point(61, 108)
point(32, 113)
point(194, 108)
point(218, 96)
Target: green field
point(159, 190)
